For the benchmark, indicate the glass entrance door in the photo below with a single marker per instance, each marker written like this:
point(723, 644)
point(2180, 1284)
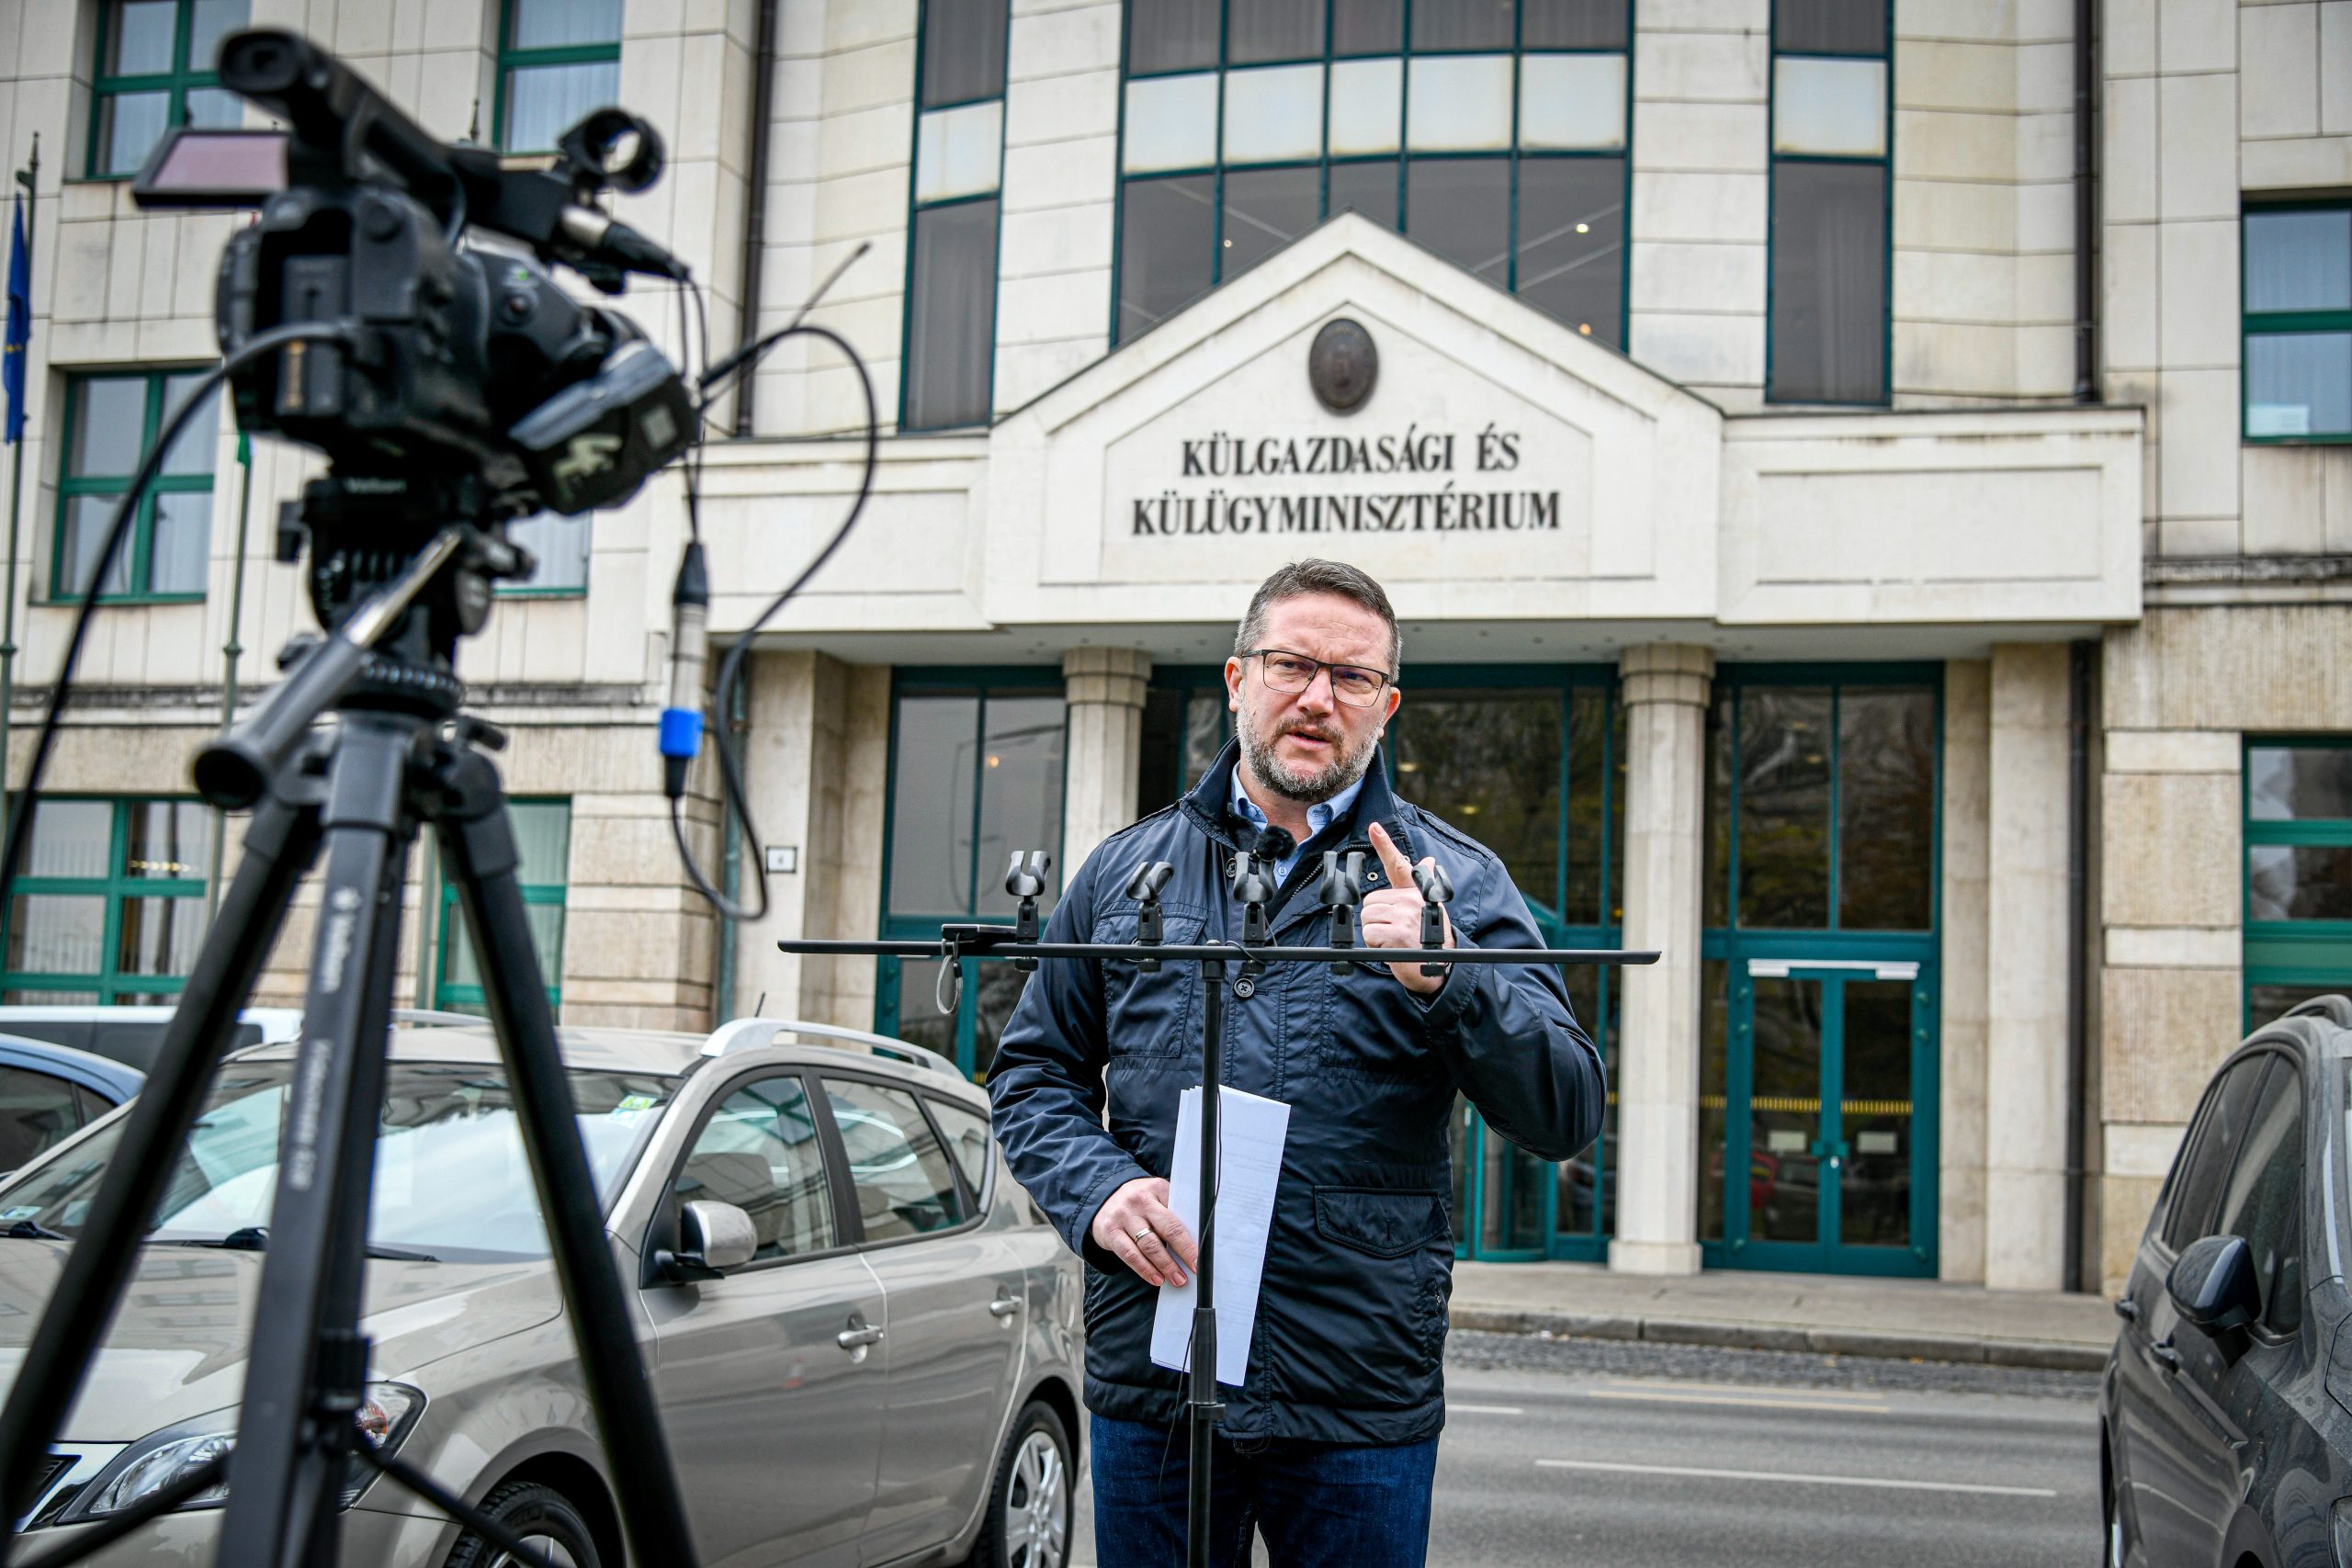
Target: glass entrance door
point(1832, 1093)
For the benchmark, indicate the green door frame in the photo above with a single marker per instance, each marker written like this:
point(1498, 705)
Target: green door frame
point(1735, 946)
point(1865, 958)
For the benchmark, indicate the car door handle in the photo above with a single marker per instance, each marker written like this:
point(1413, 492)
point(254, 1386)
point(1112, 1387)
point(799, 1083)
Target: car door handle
point(858, 1338)
point(2127, 1309)
point(2165, 1356)
point(1005, 1307)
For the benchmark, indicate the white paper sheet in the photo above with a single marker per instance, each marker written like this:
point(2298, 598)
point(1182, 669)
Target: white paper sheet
point(1250, 1161)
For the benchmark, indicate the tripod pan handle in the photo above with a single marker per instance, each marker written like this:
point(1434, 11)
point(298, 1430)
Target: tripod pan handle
point(233, 772)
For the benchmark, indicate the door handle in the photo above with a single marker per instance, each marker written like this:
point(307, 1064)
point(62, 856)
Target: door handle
point(2164, 1355)
point(1005, 1307)
point(857, 1338)
point(2127, 1309)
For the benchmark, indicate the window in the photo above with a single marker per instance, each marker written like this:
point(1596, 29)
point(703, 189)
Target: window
point(1821, 811)
point(36, 1111)
point(111, 421)
point(760, 1152)
point(560, 545)
point(1185, 725)
point(557, 61)
point(2208, 1152)
point(2298, 319)
point(968, 1138)
point(154, 71)
point(2298, 874)
point(1830, 194)
point(543, 835)
point(110, 904)
point(904, 1184)
point(951, 268)
point(976, 774)
point(2262, 1203)
point(1495, 135)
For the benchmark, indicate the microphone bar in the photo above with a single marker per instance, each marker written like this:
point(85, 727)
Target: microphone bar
point(1613, 956)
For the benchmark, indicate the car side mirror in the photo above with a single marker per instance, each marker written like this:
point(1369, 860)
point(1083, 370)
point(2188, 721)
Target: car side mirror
point(2212, 1284)
point(712, 1238)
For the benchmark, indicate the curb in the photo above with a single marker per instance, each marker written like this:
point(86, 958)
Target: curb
point(2042, 1355)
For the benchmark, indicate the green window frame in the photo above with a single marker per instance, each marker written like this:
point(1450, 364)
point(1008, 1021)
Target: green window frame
point(2287, 960)
point(553, 540)
point(126, 890)
point(542, 824)
point(513, 60)
point(2319, 324)
point(199, 444)
point(1517, 158)
point(983, 899)
point(1882, 52)
point(951, 196)
point(190, 89)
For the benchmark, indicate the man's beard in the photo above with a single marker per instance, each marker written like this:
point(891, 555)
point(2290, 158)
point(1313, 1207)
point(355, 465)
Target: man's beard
point(1311, 788)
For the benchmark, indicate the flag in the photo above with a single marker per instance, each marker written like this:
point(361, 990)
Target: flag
point(20, 323)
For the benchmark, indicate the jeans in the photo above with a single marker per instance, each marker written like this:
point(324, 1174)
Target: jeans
point(1317, 1504)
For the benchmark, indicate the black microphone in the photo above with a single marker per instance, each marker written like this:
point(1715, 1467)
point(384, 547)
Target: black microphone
point(1273, 845)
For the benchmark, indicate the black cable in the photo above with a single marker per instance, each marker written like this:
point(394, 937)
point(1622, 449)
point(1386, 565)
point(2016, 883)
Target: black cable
point(730, 771)
point(12, 855)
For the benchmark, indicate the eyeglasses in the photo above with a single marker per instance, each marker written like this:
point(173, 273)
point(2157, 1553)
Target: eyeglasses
point(1286, 672)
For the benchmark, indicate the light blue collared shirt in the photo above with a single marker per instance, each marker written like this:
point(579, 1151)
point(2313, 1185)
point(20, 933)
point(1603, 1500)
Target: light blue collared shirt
point(1319, 815)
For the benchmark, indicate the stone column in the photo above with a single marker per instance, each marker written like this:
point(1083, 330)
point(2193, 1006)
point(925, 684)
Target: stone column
point(1960, 1194)
point(1666, 693)
point(2025, 1042)
point(1105, 696)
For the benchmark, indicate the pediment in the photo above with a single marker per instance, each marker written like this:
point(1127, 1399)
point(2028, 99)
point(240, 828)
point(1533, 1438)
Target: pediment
point(1500, 454)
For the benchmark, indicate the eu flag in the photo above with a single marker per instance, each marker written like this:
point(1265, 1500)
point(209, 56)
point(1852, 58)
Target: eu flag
point(20, 323)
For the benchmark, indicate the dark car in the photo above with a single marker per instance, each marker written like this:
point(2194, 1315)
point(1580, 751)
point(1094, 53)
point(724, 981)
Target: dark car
point(2226, 1406)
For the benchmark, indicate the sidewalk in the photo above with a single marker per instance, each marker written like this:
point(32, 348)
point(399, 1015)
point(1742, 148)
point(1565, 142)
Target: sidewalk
point(1906, 1319)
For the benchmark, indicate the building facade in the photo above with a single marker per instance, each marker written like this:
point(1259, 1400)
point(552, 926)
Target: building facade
point(1866, 484)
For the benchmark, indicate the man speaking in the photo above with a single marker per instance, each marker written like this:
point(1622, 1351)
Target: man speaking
point(1329, 1446)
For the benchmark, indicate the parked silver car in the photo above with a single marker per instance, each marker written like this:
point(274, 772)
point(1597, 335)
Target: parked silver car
point(875, 1357)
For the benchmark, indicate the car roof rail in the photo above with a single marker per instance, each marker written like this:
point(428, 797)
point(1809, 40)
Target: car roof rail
point(745, 1033)
point(2337, 1009)
point(438, 1015)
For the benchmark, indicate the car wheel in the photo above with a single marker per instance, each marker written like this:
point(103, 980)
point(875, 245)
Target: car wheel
point(546, 1520)
point(1029, 1507)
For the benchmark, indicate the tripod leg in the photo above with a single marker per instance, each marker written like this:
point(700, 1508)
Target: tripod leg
point(289, 1462)
point(278, 848)
point(477, 849)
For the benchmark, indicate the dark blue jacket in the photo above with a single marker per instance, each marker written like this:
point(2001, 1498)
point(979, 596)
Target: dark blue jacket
point(1351, 1314)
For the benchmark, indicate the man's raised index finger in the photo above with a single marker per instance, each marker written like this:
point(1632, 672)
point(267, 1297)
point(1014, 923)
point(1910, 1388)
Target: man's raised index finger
point(1392, 859)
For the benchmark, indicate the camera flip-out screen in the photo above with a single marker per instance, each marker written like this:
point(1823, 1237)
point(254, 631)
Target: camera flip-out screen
point(195, 167)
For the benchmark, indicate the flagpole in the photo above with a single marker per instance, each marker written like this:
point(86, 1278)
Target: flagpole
point(231, 651)
point(29, 178)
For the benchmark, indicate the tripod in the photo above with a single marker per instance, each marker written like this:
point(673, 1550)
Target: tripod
point(397, 757)
point(1251, 881)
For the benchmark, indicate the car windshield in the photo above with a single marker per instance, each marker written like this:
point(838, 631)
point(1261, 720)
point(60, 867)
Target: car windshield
point(452, 1181)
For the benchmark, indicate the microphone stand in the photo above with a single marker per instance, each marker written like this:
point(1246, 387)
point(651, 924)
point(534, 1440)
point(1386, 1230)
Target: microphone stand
point(1252, 883)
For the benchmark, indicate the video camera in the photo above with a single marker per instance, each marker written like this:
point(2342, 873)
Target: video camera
point(464, 383)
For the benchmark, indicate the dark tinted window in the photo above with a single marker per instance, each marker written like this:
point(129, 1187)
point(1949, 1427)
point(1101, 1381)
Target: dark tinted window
point(2262, 1201)
point(1572, 241)
point(968, 1139)
point(760, 1152)
point(963, 51)
point(1828, 282)
point(1886, 809)
point(951, 318)
point(1460, 207)
point(1462, 24)
point(1264, 210)
point(1572, 24)
point(904, 1184)
point(1784, 806)
point(1829, 27)
point(1261, 30)
point(36, 1111)
point(1166, 230)
point(1170, 35)
point(1368, 189)
point(1367, 27)
point(2212, 1150)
